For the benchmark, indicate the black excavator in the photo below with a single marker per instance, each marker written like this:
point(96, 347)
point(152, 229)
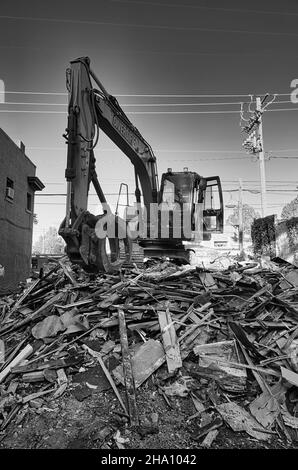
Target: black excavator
point(168, 220)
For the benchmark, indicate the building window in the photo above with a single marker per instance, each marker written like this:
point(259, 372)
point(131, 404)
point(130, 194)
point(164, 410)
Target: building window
point(9, 193)
point(29, 202)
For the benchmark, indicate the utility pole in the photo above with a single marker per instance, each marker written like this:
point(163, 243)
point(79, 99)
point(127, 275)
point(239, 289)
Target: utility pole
point(240, 216)
point(260, 149)
point(254, 145)
point(43, 241)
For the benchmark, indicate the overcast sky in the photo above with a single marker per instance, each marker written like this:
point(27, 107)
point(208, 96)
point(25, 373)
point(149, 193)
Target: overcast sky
point(157, 47)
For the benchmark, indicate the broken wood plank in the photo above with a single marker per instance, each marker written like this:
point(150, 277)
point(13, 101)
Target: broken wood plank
point(26, 352)
point(52, 364)
point(13, 354)
point(289, 376)
point(32, 396)
point(68, 272)
point(209, 439)
point(10, 416)
point(215, 362)
point(24, 296)
point(146, 360)
point(37, 376)
point(207, 281)
point(193, 332)
point(127, 371)
point(75, 304)
point(32, 316)
point(215, 424)
point(107, 374)
point(12, 388)
point(241, 420)
point(265, 408)
point(62, 382)
point(170, 342)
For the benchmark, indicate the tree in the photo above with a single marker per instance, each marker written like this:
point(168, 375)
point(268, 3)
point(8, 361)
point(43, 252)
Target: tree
point(290, 210)
point(249, 214)
point(50, 242)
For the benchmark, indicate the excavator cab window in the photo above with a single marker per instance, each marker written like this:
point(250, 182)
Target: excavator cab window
point(213, 206)
point(168, 195)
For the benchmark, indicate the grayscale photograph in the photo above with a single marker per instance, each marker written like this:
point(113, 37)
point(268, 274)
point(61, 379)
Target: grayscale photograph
point(148, 231)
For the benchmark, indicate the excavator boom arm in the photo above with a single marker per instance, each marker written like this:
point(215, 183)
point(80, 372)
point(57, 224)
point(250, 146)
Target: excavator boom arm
point(92, 109)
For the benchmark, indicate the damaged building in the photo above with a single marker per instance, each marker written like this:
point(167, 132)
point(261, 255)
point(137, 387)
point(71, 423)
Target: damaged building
point(18, 184)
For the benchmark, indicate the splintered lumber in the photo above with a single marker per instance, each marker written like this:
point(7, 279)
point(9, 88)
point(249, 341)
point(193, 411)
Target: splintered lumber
point(265, 408)
point(12, 388)
point(10, 417)
point(62, 382)
point(259, 379)
point(52, 364)
point(146, 360)
point(127, 371)
point(241, 420)
point(211, 356)
point(170, 341)
point(32, 396)
point(289, 376)
point(209, 439)
point(107, 374)
point(26, 352)
point(37, 376)
point(68, 272)
point(193, 332)
point(24, 295)
point(215, 424)
point(32, 316)
point(208, 281)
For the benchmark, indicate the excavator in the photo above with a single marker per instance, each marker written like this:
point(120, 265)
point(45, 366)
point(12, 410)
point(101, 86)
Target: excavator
point(167, 220)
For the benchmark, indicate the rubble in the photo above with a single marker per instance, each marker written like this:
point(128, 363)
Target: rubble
point(223, 340)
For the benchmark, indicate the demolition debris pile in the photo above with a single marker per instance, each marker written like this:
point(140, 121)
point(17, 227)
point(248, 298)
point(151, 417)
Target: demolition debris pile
point(233, 333)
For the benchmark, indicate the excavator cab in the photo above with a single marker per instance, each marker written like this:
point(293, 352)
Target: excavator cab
point(213, 206)
point(199, 200)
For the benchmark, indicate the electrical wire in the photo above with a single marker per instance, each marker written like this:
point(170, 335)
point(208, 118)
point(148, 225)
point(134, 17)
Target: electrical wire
point(146, 112)
point(134, 104)
point(172, 150)
point(199, 7)
point(148, 95)
point(148, 26)
point(153, 105)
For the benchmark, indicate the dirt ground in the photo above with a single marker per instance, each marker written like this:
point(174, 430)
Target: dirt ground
point(93, 423)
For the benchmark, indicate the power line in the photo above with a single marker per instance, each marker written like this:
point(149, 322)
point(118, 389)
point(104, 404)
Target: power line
point(156, 150)
point(280, 109)
point(198, 7)
point(147, 26)
point(50, 93)
point(227, 190)
point(134, 105)
point(283, 157)
point(170, 150)
point(145, 112)
point(149, 95)
point(64, 194)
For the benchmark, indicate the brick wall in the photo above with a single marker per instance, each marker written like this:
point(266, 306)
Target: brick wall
point(16, 222)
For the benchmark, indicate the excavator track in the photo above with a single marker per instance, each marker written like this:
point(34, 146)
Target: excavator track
point(137, 256)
